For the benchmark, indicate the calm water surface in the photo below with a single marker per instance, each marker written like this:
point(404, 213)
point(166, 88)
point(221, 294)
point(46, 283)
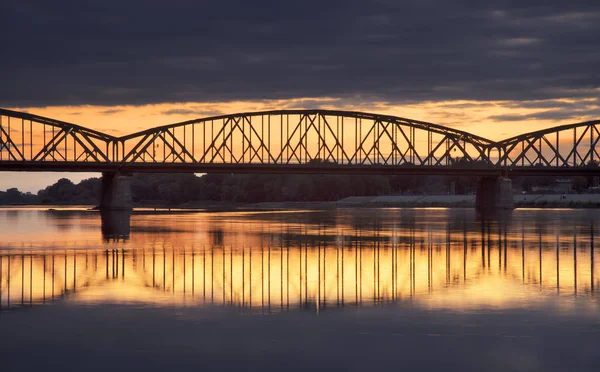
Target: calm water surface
point(349, 289)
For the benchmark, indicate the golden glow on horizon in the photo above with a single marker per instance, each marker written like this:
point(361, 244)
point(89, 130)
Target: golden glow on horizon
point(280, 133)
point(471, 116)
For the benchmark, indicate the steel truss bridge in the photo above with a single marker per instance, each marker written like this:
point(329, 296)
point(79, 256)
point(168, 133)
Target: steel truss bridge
point(294, 141)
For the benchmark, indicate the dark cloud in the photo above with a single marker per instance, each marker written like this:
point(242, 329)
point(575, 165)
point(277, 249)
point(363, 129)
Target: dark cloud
point(136, 52)
point(203, 113)
point(555, 115)
point(315, 103)
point(111, 111)
point(466, 105)
point(554, 104)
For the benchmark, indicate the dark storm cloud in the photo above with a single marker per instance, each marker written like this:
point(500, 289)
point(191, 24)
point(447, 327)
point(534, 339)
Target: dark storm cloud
point(554, 104)
point(136, 52)
point(203, 113)
point(314, 103)
point(555, 115)
point(111, 111)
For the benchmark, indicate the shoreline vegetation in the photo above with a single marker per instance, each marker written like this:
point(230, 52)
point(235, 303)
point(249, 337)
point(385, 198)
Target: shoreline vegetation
point(384, 201)
point(220, 192)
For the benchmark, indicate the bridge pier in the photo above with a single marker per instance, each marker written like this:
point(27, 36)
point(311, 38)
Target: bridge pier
point(493, 194)
point(116, 192)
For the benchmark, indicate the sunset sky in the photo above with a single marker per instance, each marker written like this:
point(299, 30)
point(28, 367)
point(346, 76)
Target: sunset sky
point(493, 68)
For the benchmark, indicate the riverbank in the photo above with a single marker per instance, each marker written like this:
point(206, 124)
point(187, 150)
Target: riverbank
point(441, 201)
point(468, 201)
point(385, 201)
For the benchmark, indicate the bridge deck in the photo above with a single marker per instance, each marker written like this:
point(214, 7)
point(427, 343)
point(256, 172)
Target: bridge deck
point(56, 166)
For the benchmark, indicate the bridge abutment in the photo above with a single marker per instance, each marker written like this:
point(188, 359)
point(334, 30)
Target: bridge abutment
point(493, 194)
point(116, 192)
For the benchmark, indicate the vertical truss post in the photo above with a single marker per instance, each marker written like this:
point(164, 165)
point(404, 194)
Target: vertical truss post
point(575, 147)
point(592, 143)
point(557, 148)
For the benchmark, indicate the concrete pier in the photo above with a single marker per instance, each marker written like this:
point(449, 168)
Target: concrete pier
point(493, 194)
point(116, 192)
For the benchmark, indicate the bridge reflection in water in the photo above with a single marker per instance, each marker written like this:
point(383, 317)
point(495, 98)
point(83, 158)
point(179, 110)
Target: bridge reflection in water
point(492, 267)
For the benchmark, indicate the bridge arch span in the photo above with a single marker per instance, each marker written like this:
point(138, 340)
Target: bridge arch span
point(570, 145)
point(26, 137)
point(299, 137)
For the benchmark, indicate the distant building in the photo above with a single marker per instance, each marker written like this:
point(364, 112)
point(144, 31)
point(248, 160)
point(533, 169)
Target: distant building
point(562, 186)
point(559, 186)
point(541, 189)
point(594, 190)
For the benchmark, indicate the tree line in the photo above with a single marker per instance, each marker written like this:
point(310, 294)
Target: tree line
point(239, 188)
point(176, 189)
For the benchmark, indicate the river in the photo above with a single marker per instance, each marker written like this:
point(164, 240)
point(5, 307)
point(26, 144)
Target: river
point(346, 289)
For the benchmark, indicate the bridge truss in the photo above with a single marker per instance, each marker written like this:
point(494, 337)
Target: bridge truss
point(292, 141)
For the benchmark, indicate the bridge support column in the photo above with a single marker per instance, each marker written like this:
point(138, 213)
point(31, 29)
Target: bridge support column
point(116, 192)
point(494, 193)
